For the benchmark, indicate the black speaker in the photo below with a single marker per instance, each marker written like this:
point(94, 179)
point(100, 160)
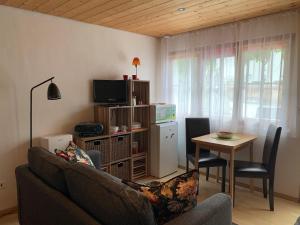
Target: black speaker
point(88, 129)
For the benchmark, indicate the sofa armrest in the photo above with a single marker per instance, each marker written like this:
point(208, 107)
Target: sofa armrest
point(214, 210)
point(95, 157)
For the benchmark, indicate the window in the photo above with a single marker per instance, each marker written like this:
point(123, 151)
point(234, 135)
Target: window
point(233, 82)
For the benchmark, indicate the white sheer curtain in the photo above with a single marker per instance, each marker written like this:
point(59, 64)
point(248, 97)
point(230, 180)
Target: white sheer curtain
point(243, 76)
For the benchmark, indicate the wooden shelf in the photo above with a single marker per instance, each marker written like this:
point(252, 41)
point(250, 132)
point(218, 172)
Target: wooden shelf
point(119, 134)
point(137, 155)
point(139, 130)
point(91, 138)
point(120, 160)
point(140, 106)
point(128, 155)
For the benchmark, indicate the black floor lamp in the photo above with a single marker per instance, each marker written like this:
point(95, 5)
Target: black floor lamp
point(53, 94)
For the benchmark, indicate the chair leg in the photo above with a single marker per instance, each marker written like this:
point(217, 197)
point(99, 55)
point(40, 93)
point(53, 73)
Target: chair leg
point(198, 183)
point(223, 178)
point(271, 194)
point(207, 173)
point(233, 200)
point(187, 165)
point(265, 189)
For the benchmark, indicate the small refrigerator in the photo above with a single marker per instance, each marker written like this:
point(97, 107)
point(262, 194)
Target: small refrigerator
point(164, 136)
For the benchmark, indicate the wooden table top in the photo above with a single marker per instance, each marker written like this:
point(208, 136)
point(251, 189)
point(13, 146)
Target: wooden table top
point(211, 140)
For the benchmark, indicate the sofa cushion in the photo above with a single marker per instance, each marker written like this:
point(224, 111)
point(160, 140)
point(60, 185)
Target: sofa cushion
point(171, 198)
point(49, 168)
point(74, 154)
point(106, 198)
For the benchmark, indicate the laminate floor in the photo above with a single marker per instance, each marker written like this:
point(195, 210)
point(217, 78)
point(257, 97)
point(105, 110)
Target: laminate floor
point(250, 208)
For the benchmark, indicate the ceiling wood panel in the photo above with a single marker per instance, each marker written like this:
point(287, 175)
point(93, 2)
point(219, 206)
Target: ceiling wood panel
point(214, 14)
point(156, 17)
point(188, 24)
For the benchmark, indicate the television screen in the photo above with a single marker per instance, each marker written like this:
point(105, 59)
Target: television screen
point(110, 91)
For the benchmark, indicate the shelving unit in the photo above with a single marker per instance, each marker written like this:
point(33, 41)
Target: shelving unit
point(124, 154)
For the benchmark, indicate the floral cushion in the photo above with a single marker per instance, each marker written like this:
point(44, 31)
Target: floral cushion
point(172, 198)
point(74, 154)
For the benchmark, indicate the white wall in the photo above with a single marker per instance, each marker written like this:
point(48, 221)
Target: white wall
point(34, 47)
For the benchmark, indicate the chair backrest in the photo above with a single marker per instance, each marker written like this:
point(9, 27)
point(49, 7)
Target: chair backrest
point(195, 127)
point(271, 147)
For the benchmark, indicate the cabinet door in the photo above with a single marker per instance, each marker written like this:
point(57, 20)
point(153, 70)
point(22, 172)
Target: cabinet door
point(168, 149)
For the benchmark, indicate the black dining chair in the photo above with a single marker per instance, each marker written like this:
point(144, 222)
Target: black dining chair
point(196, 127)
point(264, 170)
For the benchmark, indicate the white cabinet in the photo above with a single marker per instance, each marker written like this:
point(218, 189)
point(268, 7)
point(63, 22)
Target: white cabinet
point(164, 160)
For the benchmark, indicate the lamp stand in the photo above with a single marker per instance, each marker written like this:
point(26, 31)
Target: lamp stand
point(50, 79)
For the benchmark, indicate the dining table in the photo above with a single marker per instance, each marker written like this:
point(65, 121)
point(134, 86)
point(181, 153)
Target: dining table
point(237, 142)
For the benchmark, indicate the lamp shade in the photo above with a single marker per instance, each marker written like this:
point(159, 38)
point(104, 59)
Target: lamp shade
point(136, 61)
point(53, 92)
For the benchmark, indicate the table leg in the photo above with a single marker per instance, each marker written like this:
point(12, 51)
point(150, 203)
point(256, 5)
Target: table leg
point(197, 155)
point(251, 160)
point(231, 179)
point(218, 169)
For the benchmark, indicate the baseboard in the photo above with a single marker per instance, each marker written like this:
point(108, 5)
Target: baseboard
point(11, 210)
point(258, 189)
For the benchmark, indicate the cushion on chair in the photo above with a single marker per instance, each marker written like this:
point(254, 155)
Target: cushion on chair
point(106, 198)
point(208, 159)
point(249, 169)
point(48, 167)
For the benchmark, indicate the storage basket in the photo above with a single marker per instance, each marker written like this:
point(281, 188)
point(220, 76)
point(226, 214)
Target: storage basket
point(121, 170)
point(101, 145)
point(120, 147)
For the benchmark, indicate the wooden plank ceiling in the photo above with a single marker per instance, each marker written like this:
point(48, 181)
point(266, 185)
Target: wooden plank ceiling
point(155, 17)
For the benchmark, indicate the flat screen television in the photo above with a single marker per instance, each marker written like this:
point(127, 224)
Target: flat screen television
point(110, 92)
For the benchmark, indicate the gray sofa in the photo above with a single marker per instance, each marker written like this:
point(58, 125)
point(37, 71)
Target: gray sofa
point(52, 191)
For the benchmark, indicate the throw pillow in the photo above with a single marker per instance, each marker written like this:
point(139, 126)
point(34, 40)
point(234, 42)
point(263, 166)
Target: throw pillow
point(172, 198)
point(74, 154)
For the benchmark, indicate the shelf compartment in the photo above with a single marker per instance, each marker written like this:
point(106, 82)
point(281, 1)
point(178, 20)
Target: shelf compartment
point(140, 143)
point(139, 167)
point(113, 116)
point(101, 145)
point(121, 169)
point(140, 89)
point(141, 115)
point(120, 147)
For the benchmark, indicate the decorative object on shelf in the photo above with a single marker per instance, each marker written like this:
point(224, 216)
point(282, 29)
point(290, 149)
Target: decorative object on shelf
point(52, 94)
point(136, 125)
point(125, 77)
point(136, 62)
point(113, 129)
point(133, 100)
point(135, 147)
point(124, 128)
point(134, 77)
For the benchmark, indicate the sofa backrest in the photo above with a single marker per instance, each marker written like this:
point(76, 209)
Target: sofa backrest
point(106, 198)
point(49, 168)
point(101, 195)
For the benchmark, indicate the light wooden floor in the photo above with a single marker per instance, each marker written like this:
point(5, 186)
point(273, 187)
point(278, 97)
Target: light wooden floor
point(250, 208)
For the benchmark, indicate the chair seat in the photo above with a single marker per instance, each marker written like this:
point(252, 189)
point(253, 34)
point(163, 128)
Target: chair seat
point(249, 169)
point(208, 159)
